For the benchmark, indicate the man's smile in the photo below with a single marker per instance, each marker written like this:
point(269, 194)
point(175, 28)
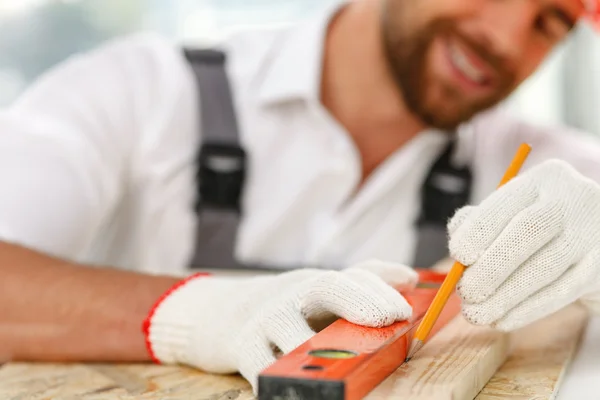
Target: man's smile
point(469, 67)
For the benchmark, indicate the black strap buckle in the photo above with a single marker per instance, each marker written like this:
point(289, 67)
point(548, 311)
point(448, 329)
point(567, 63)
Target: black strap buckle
point(221, 175)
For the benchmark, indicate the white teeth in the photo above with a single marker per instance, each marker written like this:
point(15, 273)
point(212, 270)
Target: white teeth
point(461, 62)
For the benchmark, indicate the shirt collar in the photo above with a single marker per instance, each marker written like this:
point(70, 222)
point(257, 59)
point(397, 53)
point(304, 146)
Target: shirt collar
point(296, 69)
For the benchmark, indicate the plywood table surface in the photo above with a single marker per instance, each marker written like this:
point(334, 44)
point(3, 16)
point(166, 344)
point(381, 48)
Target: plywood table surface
point(461, 362)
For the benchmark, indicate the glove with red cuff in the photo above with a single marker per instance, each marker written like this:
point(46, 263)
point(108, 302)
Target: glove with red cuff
point(228, 325)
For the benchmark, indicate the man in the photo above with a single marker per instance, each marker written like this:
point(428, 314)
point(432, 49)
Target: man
point(341, 118)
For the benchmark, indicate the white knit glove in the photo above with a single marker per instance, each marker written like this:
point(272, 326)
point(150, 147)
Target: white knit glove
point(531, 247)
point(227, 325)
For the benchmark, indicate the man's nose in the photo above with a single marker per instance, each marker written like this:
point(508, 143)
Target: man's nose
point(509, 25)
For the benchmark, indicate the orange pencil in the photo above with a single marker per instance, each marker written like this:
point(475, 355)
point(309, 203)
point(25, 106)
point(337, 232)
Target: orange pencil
point(457, 270)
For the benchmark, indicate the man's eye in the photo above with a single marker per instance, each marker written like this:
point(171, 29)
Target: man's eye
point(554, 24)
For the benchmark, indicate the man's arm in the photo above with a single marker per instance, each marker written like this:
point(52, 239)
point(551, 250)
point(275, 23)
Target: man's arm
point(53, 310)
point(66, 151)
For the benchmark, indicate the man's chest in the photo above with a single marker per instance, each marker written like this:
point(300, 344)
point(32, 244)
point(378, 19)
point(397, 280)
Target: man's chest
point(301, 202)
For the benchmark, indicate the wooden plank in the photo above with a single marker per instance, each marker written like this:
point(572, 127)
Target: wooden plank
point(453, 365)
point(465, 362)
point(456, 362)
point(539, 358)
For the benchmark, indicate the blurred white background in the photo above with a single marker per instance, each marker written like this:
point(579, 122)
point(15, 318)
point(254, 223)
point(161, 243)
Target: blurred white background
point(36, 34)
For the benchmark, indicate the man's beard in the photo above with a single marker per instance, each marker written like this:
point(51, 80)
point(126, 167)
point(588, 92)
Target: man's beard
point(407, 59)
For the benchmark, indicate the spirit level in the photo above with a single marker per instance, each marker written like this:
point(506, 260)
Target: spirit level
point(346, 361)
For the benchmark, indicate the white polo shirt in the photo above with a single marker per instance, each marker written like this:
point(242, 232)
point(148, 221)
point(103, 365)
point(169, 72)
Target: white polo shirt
point(97, 159)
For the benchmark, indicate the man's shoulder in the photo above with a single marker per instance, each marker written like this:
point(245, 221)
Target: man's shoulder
point(147, 44)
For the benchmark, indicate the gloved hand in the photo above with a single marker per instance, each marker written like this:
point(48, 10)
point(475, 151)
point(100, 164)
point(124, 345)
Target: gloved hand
point(227, 325)
point(531, 248)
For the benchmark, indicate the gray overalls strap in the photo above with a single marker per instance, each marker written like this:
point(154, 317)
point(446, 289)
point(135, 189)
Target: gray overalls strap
point(221, 164)
point(222, 167)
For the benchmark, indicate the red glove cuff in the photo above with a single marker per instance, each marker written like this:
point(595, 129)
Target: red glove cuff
point(147, 321)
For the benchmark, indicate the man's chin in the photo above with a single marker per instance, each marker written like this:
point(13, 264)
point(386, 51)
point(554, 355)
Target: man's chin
point(440, 106)
point(448, 115)
point(445, 121)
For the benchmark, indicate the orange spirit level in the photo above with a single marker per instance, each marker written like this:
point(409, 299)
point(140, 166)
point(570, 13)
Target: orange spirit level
point(346, 361)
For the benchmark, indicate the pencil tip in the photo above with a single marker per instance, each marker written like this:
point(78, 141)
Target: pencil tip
point(415, 346)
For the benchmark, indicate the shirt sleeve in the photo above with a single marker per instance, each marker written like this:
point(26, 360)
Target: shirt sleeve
point(67, 143)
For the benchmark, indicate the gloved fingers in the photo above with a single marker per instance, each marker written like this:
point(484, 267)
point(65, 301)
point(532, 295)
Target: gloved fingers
point(527, 233)
point(253, 357)
point(392, 273)
point(359, 297)
point(459, 218)
point(377, 283)
point(540, 270)
point(386, 278)
point(551, 298)
point(286, 328)
point(485, 222)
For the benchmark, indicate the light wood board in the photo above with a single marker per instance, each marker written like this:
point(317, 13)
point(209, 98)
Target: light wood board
point(456, 364)
point(540, 355)
point(465, 362)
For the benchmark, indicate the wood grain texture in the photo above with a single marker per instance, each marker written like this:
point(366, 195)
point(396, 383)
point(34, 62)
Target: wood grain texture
point(539, 357)
point(455, 364)
point(465, 362)
point(22, 381)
